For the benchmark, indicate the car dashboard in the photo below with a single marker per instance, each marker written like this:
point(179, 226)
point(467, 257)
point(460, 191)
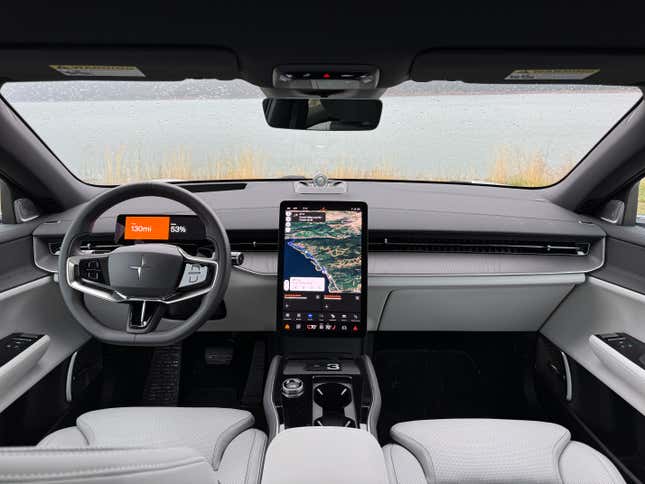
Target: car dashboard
point(511, 255)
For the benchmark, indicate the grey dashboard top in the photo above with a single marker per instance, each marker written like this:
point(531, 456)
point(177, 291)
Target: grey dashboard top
point(530, 286)
point(392, 206)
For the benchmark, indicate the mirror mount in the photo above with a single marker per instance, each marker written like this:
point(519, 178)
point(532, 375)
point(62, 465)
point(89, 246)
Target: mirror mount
point(282, 93)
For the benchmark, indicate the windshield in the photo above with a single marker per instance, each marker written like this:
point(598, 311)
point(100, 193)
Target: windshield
point(112, 132)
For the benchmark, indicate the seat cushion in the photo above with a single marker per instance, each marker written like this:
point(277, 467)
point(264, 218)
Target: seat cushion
point(171, 465)
point(222, 436)
point(486, 450)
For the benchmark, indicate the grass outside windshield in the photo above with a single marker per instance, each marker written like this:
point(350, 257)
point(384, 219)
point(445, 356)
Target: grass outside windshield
point(112, 132)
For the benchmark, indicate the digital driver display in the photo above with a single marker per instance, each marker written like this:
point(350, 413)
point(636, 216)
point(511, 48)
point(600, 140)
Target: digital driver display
point(159, 228)
point(322, 284)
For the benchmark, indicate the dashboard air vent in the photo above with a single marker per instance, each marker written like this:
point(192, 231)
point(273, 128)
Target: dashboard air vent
point(253, 240)
point(382, 241)
point(89, 247)
point(420, 243)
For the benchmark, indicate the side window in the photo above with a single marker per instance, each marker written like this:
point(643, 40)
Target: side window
point(15, 208)
point(640, 213)
point(3, 194)
point(6, 209)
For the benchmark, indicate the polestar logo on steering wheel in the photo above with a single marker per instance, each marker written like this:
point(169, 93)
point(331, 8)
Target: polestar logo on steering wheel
point(140, 268)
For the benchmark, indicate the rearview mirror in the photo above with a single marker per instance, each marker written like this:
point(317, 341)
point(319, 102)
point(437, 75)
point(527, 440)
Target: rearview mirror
point(323, 114)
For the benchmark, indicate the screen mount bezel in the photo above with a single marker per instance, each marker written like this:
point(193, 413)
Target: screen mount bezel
point(318, 205)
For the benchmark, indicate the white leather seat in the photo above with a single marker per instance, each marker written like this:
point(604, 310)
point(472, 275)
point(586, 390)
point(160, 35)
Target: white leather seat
point(469, 451)
point(145, 444)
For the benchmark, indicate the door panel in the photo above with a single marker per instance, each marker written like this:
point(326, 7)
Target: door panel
point(595, 414)
point(16, 256)
point(30, 302)
point(606, 403)
point(597, 307)
point(625, 262)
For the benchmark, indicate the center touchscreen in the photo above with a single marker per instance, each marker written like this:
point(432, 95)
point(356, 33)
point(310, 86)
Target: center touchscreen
point(322, 284)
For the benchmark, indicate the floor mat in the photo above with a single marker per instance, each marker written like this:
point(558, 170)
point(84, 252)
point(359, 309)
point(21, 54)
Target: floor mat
point(162, 385)
point(430, 376)
point(224, 371)
point(125, 371)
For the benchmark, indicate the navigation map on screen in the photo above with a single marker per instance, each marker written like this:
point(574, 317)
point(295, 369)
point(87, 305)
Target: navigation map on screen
point(323, 259)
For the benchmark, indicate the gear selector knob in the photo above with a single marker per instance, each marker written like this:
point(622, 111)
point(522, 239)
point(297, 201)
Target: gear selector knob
point(292, 388)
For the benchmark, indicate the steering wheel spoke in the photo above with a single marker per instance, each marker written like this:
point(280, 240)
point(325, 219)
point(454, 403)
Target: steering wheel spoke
point(89, 274)
point(144, 316)
point(198, 277)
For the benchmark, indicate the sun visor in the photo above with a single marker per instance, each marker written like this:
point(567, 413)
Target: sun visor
point(154, 64)
point(517, 66)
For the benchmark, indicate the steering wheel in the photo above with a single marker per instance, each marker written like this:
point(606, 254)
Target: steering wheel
point(147, 277)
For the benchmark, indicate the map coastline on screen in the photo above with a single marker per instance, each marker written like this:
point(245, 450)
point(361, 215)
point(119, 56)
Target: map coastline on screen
point(322, 267)
point(330, 242)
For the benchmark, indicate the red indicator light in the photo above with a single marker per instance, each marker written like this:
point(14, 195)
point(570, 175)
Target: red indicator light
point(326, 75)
point(355, 328)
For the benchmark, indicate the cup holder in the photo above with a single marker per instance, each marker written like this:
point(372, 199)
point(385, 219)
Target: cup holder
point(335, 420)
point(333, 397)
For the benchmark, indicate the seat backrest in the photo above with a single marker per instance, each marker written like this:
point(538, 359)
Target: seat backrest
point(104, 465)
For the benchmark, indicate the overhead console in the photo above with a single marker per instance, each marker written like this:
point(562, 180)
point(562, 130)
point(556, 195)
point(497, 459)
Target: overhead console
point(322, 269)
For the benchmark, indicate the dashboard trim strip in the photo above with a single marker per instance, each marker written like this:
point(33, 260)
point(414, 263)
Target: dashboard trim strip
point(41, 281)
point(600, 257)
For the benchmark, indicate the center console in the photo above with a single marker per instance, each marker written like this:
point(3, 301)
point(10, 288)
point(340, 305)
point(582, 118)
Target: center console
point(322, 391)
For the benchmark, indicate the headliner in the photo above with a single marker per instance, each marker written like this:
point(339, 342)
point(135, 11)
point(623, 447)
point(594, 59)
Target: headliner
point(332, 32)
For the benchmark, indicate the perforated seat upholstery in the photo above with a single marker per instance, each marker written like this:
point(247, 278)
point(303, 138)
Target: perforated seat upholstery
point(474, 451)
point(215, 444)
